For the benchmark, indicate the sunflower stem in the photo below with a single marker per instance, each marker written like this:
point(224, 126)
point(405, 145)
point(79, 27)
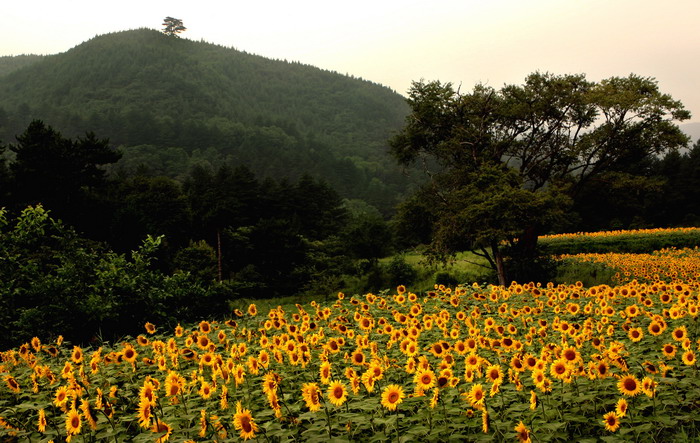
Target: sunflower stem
point(328, 418)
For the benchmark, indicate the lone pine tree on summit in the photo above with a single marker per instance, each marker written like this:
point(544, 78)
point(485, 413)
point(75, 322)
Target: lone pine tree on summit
point(173, 26)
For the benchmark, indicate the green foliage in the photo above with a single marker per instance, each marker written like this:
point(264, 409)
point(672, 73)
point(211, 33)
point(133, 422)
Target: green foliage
point(199, 259)
point(53, 282)
point(173, 26)
point(590, 274)
point(9, 64)
point(400, 272)
point(504, 162)
point(160, 97)
point(58, 172)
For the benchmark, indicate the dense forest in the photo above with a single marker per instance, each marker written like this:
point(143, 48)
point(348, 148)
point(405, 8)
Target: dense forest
point(173, 103)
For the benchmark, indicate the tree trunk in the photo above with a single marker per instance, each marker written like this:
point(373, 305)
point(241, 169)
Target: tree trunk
point(527, 243)
point(218, 253)
point(498, 259)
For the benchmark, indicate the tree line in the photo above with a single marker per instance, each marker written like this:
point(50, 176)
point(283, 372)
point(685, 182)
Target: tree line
point(220, 235)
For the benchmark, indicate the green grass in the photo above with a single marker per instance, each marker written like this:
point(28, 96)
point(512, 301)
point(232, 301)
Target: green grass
point(466, 268)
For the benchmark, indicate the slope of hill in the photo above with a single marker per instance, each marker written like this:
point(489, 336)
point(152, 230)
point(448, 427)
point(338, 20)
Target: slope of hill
point(10, 64)
point(163, 98)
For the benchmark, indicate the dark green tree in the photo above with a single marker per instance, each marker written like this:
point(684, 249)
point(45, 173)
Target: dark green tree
point(64, 175)
point(150, 206)
point(225, 199)
point(515, 156)
point(173, 26)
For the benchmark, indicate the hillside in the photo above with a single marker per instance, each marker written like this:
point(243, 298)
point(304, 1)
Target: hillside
point(172, 102)
point(9, 64)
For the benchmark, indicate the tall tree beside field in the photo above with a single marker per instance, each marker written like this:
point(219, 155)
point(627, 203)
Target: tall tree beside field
point(504, 164)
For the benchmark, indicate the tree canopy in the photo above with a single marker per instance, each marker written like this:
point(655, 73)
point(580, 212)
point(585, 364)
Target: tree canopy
point(505, 163)
point(173, 26)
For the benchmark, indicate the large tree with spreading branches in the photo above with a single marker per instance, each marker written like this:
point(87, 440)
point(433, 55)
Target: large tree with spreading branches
point(505, 163)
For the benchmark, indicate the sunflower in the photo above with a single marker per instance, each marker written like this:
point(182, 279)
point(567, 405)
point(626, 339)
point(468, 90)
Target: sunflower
point(629, 385)
point(150, 328)
point(570, 355)
point(337, 393)
point(61, 397)
point(434, 398)
point(145, 415)
point(205, 390)
point(655, 328)
point(621, 407)
point(476, 396)
point(602, 369)
point(533, 400)
point(174, 384)
point(204, 327)
point(77, 355)
point(472, 361)
point(689, 358)
point(648, 386)
point(312, 396)
point(368, 380)
point(270, 383)
point(485, 421)
point(161, 427)
point(203, 342)
point(41, 423)
point(73, 422)
point(36, 344)
point(129, 354)
point(88, 414)
point(243, 421)
point(522, 433)
point(207, 359)
point(358, 357)
point(635, 334)
point(516, 364)
point(680, 333)
point(424, 379)
point(252, 310)
point(611, 421)
point(560, 369)
point(203, 423)
point(538, 377)
point(12, 384)
point(325, 372)
point(392, 396)
point(147, 393)
point(494, 373)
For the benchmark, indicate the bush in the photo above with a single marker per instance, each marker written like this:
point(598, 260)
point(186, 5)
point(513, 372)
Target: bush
point(445, 278)
point(54, 282)
point(400, 273)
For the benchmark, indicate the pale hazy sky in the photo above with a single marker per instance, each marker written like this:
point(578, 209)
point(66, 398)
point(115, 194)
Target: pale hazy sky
point(394, 42)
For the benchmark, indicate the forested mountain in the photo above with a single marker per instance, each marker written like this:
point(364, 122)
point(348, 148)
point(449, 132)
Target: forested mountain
point(172, 103)
point(10, 64)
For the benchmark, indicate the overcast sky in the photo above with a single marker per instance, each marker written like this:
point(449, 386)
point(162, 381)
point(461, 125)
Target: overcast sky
point(395, 42)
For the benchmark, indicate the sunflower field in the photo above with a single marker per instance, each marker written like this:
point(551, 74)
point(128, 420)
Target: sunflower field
point(525, 362)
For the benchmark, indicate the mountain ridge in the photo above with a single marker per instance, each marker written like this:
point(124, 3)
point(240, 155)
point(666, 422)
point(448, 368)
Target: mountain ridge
point(143, 88)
